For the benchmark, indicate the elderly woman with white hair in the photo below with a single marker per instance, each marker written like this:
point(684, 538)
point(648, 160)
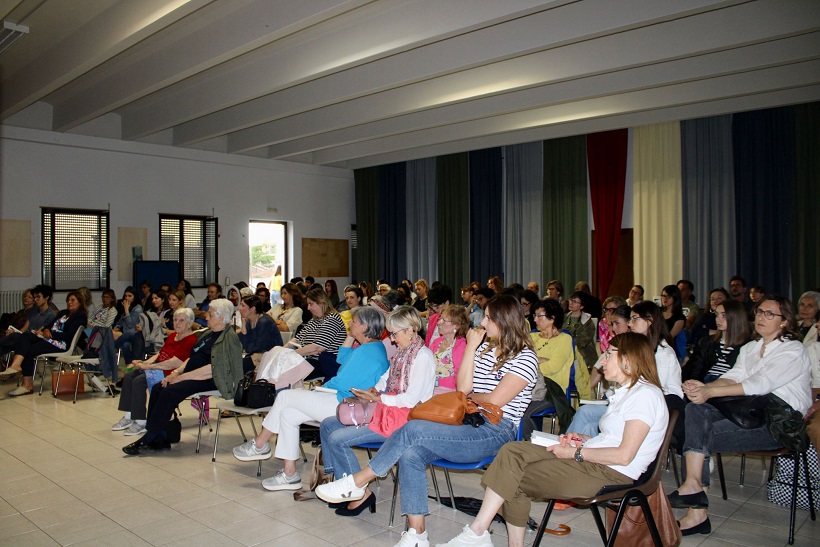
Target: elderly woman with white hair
point(215, 364)
point(174, 353)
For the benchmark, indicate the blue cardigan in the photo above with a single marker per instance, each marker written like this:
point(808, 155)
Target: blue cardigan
point(361, 368)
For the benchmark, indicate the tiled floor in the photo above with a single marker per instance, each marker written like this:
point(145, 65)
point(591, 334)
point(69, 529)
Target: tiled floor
point(64, 480)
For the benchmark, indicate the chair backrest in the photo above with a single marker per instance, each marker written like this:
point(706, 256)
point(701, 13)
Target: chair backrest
point(75, 341)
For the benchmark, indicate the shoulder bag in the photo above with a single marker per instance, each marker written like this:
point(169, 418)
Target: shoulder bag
point(445, 408)
point(634, 531)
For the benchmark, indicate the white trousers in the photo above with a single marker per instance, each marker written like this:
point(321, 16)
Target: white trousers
point(292, 408)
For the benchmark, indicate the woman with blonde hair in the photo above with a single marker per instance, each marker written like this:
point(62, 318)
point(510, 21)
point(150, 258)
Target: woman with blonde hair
point(499, 370)
point(323, 334)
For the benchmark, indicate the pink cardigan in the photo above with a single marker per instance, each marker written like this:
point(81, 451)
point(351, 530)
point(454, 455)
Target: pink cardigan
point(458, 355)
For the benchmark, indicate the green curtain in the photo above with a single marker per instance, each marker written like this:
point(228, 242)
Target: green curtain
point(806, 252)
point(367, 223)
point(565, 224)
point(453, 219)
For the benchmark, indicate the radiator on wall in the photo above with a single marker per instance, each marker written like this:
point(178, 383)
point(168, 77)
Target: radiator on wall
point(11, 301)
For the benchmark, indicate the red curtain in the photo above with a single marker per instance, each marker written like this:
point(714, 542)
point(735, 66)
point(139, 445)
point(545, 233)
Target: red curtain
point(606, 161)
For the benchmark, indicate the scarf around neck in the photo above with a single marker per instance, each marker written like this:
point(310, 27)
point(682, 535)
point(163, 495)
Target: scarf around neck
point(399, 376)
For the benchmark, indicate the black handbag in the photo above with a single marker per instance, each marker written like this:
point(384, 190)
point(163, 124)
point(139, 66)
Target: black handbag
point(745, 411)
point(173, 429)
point(261, 393)
point(240, 398)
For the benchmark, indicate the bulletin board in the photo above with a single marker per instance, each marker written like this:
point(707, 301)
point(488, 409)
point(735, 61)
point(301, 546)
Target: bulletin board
point(15, 248)
point(129, 241)
point(325, 257)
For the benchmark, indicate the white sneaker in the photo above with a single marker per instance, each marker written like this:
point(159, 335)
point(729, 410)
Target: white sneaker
point(469, 538)
point(280, 482)
point(340, 490)
point(97, 384)
point(135, 429)
point(411, 538)
point(247, 452)
point(123, 424)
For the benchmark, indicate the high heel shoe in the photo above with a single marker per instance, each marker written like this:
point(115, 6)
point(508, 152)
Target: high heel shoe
point(369, 501)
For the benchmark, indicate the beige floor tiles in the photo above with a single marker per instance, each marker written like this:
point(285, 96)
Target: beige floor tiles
point(34, 538)
point(257, 530)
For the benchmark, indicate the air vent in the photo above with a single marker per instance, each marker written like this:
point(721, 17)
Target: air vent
point(10, 33)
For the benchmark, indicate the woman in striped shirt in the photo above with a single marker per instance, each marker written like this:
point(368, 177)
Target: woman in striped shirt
point(500, 370)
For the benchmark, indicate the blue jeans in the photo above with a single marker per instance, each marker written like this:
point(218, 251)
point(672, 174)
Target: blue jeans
point(586, 419)
point(418, 443)
point(338, 441)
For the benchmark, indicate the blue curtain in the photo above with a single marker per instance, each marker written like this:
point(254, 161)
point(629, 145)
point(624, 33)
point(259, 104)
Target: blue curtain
point(392, 241)
point(764, 149)
point(422, 250)
point(708, 191)
point(453, 219)
point(486, 226)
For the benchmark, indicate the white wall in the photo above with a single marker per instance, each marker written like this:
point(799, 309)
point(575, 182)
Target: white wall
point(138, 180)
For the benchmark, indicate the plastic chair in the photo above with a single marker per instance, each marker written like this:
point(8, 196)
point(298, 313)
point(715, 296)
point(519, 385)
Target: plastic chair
point(773, 454)
point(619, 497)
point(46, 357)
point(82, 368)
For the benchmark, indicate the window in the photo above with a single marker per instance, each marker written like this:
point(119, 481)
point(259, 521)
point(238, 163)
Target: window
point(75, 248)
point(268, 252)
point(191, 241)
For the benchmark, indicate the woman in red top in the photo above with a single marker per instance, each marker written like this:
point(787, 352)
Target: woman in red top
point(176, 350)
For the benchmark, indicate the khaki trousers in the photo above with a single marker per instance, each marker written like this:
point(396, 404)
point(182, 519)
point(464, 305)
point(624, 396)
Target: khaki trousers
point(523, 471)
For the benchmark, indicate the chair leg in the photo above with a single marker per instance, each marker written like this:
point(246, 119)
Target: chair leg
point(42, 374)
point(395, 495)
point(435, 484)
point(216, 437)
point(809, 486)
point(720, 474)
point(238, 423)
point(543, 526)
point(742, 468)
point(674, 460)
point(450, 487)
point(793, 508)
point(77, 383)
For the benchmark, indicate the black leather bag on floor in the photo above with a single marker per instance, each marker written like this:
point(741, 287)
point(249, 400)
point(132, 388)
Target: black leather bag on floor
point(173, 429)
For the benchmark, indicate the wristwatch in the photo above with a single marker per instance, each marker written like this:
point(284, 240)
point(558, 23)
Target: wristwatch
point(578, 456)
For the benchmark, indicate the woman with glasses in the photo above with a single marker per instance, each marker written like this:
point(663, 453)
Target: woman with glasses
point(499, 370)
point(777, 363)
point(555, 358)
point(437, 299)
point(605, 332)
point(528, 301)
point(409, 380)
point(448, 348)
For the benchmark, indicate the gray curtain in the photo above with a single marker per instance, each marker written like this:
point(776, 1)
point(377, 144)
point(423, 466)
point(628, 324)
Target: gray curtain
point(708, 188)
point(453, 187)
point(367, 223)
point(524, 170)
point(422, 250)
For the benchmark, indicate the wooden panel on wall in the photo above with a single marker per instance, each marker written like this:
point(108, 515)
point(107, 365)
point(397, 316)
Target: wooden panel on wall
point(624, 267)
point(127, 240)
point(325, 257)
point(15, 248)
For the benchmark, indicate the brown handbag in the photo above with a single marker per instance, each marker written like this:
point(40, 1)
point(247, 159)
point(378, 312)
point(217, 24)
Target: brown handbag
point(445, 408)
point(634, 532)
point(492, 413)
point(68, 379)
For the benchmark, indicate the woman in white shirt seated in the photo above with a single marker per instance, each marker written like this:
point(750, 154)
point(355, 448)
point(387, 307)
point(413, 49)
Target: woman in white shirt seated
point(632, 431)
point(775, 363)
point(288, 315)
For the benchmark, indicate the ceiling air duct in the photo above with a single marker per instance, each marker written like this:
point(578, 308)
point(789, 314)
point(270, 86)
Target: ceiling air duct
point(10, 33)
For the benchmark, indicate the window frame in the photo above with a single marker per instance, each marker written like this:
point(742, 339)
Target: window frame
point(210, 271)
point(286, 261)
point(50, 270)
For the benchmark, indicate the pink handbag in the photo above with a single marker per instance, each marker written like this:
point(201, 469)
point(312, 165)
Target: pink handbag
point(355, 411)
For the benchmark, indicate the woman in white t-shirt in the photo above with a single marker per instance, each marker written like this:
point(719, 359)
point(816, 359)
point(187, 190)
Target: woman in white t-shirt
point(632, 431)
point(500, 371)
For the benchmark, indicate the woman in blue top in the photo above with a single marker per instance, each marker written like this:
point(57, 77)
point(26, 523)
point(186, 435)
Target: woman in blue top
point(360, 367)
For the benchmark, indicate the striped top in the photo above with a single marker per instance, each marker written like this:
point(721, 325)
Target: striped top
point(722, 364)
point(485, 380)
point(328, 332)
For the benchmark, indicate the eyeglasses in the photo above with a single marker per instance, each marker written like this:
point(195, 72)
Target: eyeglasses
point(610, 310)
point(767, 314)
point(446, 321)
point(665, 296)
point(394, 333)
point(634, 318)
point(540, 315)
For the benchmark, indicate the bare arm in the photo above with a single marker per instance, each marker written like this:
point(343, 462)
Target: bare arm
point(464, 378)
point(509, 386)
point(677, 327)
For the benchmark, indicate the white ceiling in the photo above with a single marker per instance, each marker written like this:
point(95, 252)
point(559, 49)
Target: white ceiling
point(353, 83)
